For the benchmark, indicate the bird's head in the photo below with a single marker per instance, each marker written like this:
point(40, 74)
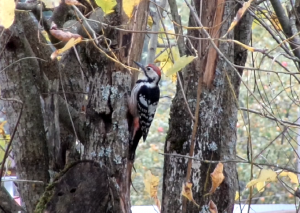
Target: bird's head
point(152, 72)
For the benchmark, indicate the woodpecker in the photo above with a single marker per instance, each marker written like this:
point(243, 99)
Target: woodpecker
point(142, 104)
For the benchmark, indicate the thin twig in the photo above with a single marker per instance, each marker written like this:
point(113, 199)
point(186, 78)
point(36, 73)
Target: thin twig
point(286, 26)
point(233, 161)
point(86, 23)
point(284, 123)
point(20, 180)
point(195, 126)
point(21, 60)
point(66, 102)
point(154, 37)
point(226, 59)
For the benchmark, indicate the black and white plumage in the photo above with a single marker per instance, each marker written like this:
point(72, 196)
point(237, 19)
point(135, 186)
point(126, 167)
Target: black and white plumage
point(142, 104)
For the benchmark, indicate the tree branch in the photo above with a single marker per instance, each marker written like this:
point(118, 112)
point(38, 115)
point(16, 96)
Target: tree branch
point(271, 118)
point(153, 38)
point(233, 161)
point(177, 19)
point(286, 26)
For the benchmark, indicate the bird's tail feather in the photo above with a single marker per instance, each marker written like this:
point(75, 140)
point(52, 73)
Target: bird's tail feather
point(133, 144)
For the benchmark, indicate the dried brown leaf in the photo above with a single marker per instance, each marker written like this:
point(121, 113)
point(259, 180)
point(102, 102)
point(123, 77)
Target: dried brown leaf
point(217, 177)
point(151, 184)
point(187, 192)
point(157, 203)
point(73, 2)
point(72, 42)
point(212, 207)
point(239, 15)
point(62, 35)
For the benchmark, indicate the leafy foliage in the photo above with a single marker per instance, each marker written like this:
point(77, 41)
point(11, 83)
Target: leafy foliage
point(7, 13)
point(106, 5)
point(179, 64)
point(129, 6)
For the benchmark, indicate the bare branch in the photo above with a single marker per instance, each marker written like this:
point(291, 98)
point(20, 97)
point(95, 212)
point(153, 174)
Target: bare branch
point(285, 123)
point(154, 37)
point(177, 19)
point(286, 26)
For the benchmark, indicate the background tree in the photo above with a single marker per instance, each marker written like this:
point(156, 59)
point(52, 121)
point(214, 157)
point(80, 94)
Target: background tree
point(211, 84)
point(211, 135)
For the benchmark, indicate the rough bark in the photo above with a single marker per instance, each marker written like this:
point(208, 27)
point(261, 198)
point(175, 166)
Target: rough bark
point(216, 131)
point(21, 82)
point(68, 192)
point(8, 204)
point(68, 105)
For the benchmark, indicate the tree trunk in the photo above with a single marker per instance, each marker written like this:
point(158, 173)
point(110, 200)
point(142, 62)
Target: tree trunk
point(216, 130)
point(79, 101)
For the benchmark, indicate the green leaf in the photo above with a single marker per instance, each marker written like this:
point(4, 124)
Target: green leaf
point(107, 5)
point(179, 64)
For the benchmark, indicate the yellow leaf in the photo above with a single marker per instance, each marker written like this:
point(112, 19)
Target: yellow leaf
point(107, 5)
point(212, 207)
point(179, 64)
point(252, 183)
point(150, 21)
point(174, 78)
point(275, 22)
point(217, 177)
point(3, 143)
point(239, 15)
point(237, 195)
point(128, 7)
point(72, 42)
point(166, 54)
point(252, 49)
point(7, 137)
point(7, 13)
point(187, 192)
point(260, 186)
point(265, 175)
point(293, 177)
point(151, 184)
point(283, 174)
point(2, 132)
point(3, 147)
point(166, 65)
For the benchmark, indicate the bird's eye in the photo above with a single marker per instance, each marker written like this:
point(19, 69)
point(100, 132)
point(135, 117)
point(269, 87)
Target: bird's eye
point(148, 68)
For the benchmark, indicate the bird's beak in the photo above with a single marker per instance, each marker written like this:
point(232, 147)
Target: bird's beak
point(140, 65)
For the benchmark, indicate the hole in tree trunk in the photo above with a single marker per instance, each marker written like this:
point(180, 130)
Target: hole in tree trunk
point(60, 194)
point(73, 190)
